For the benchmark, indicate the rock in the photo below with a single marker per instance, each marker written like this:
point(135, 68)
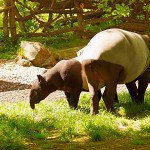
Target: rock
point(24, 62)
point(51, 61)
point(38, 54)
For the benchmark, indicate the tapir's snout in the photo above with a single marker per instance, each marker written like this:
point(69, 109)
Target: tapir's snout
point(32, 97)
point(32, 104)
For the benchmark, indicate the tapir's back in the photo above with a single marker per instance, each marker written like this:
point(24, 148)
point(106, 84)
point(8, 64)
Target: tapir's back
point(121, 47)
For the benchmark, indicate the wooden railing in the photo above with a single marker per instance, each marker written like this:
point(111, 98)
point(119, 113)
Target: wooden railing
point(78, 13)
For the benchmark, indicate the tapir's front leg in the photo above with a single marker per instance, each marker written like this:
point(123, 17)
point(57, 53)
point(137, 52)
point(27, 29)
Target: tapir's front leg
point(74, 98)
point(67, 94)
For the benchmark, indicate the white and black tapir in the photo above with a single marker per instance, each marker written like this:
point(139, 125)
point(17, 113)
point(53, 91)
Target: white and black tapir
point(111, 57)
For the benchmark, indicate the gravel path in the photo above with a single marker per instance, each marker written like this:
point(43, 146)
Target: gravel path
point(15, 82)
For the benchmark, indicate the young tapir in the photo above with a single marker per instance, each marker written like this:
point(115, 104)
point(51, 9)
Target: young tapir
point(111, 57)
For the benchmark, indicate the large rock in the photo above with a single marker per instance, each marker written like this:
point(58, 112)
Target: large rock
point(38, 54)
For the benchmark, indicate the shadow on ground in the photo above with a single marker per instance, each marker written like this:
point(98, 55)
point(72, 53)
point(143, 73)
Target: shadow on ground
point(10, 86)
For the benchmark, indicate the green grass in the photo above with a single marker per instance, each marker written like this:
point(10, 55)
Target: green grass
point(8, 49)
point(53, 122)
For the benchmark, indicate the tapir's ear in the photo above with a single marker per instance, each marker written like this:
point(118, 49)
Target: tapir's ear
point(41, 79)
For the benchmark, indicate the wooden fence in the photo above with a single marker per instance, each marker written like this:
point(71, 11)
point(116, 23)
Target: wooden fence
point(68, 15)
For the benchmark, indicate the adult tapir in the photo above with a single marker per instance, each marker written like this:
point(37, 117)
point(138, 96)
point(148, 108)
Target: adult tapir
point(112, 57)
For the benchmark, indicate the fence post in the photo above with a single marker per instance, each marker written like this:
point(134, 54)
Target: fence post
point(5, 18)
point(79, 18)
point(12, 19)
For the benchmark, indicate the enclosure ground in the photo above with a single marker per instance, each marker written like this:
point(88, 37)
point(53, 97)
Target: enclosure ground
point(15, 83)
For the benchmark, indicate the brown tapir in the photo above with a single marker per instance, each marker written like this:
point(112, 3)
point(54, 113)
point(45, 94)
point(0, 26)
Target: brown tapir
point(66, 75)
point(112, 56)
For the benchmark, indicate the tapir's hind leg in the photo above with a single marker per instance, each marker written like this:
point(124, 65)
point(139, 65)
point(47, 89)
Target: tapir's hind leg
point(133, 91)
point(143, 81)
point(142, 85)
point(98, 71)
point(99, 94)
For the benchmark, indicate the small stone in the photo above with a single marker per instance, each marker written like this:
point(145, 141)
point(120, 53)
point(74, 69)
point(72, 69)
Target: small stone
point(24, 62)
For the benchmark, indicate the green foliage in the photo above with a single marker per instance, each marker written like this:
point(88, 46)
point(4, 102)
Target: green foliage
point(121, 10)
point(105, 6)
point(146, 124)
point(1, 3)
point(31, 25)
point(146, 7)
point(7, 48)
